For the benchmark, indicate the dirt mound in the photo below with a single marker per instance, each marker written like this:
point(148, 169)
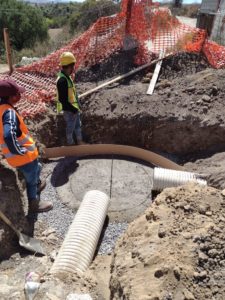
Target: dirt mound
point(175, 250)
point(118, 63)
point(212, 166)
point(185, 115)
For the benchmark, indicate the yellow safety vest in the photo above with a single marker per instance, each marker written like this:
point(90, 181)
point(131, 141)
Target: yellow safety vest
point(25, 140)
point(72, 97)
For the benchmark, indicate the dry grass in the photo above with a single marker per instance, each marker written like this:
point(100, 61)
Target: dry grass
point(57, 38)
point(54, 33)
point(4, 68)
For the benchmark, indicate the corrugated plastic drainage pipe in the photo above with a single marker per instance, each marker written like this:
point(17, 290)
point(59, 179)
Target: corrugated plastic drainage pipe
point(78, 248)
point(163, 178)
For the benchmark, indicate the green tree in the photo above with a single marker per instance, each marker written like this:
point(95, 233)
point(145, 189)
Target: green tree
point(90, 11)
point(59, 13)
point(26, 24)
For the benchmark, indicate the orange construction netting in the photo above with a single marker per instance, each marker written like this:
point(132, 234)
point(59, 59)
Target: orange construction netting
point(141, 24)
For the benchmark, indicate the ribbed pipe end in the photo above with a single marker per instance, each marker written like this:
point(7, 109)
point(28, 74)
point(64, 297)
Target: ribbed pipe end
point(163, 178)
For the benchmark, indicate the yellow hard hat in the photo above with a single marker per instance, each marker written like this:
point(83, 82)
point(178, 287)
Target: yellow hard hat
point(67, 58)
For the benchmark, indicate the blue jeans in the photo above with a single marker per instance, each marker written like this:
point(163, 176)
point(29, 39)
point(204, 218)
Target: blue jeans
point(31, 172)
point(73, 126)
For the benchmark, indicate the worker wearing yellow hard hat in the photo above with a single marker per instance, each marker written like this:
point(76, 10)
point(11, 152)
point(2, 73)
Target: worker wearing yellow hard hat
point(67, 99)
point(67, 58)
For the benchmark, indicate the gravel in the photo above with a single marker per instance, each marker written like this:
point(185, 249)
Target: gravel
point(111, 234)
point(61, 216)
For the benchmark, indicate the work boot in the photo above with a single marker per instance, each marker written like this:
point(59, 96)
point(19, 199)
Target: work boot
point(39, 206)
point(41, 185)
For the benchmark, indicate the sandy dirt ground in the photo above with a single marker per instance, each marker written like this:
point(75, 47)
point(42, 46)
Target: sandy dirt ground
point(54, 32)
point(175, 250)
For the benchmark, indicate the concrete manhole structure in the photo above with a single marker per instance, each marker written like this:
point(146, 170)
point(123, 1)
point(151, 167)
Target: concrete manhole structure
point(127, 183)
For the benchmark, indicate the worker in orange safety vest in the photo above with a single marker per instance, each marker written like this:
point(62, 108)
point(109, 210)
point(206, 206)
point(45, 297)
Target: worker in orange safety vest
point(18, 146)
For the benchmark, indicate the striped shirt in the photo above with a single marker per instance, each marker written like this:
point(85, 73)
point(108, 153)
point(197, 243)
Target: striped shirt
point(11, 131)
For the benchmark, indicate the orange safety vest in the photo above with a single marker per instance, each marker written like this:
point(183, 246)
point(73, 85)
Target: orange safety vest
point(25, 140)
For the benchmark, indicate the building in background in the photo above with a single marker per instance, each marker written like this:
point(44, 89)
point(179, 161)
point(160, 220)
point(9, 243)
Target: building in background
point(211, 17)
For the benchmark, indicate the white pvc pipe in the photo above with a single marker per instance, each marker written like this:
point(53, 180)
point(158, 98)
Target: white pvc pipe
point(78, 248)
point(163, 178)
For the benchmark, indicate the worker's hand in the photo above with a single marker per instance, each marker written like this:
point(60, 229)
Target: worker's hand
point(42, 156)
point(42, 153)
point(41, 150)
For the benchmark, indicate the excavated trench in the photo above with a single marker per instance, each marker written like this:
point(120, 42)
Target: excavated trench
point(183, 118)
point(184, 115)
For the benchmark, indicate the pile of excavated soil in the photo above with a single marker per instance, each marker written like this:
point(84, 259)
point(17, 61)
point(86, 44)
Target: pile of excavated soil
point(213, 166)
point(184, 115)
point(175, 250)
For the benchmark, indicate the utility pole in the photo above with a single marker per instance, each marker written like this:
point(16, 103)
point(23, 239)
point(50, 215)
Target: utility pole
point(8, 50)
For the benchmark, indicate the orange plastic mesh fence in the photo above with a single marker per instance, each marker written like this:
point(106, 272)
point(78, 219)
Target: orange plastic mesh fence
point(39, 90)
point(102, 39)
point(215, 54)
point(140, 24)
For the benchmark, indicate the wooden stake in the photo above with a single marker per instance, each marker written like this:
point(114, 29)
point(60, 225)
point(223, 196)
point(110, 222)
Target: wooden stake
point(8, 50)
point(156, 74)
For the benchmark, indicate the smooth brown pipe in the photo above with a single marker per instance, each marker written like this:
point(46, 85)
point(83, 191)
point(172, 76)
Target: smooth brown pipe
point(105, 149)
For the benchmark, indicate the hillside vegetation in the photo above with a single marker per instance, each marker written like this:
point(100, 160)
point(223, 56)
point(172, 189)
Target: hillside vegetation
point(28, 24)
